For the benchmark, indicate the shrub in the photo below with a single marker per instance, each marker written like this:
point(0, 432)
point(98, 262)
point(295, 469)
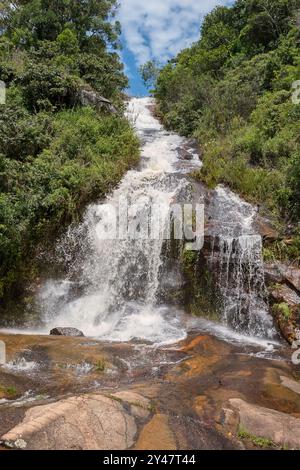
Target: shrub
point(232, 91)
point(85, 158)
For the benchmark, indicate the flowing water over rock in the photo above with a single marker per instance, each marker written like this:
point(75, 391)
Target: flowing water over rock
point(117, 273)
point(119, 278)
point(236, 257)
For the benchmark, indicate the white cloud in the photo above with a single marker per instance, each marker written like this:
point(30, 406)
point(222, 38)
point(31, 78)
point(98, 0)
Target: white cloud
point(159, 29)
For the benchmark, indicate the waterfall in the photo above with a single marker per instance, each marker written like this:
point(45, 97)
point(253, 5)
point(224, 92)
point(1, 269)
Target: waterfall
point(112, 283)
point(111, 290)
point(236, 257)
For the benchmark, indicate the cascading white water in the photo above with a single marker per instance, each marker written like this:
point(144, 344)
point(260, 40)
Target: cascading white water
point(237, 258)
point(112, 284)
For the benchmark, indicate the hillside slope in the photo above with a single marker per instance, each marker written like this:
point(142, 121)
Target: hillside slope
point(55, 154)
point(232, 90)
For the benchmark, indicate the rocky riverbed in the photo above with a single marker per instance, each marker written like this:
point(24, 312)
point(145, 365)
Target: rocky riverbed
point(203, 393)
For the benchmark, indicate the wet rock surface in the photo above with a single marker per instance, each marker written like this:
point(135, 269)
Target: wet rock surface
point(283, 274)
point(66, 332)
point(282, 282)
point(121, 402)
point(87, 422)
point(270, 425)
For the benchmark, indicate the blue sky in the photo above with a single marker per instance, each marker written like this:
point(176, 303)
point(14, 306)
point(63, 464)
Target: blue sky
point(158, 29)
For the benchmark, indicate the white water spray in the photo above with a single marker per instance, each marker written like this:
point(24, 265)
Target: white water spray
point(117, 279)
point(237, 258)
point(111, 290)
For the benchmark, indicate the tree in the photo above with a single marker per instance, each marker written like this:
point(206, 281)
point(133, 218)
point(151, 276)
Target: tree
point(149, 73)
point(46, 19)
point(55, 45)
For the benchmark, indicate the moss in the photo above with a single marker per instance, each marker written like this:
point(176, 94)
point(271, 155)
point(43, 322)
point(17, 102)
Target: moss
point(189, 258)
point(284, 310)
point(113, 397)
point(100, 366)
point(198, 294)
point(152, 407)
point(9, 393)
point(268, 255)
point(261, 442)
point(201, 296)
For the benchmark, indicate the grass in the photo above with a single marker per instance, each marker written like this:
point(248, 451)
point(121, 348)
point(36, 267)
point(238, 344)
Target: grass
point(100, 366)
point(261, 442)
point(283, 250)
point(112, 397)
point(223, 164)
point(8, 392)
point(151, 407)
point(284, 310)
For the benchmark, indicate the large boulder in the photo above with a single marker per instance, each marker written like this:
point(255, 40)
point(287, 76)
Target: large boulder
point(66, 332)
point(266, 230)
point(290, 384)
point(288, 321)
point(283, 273)
point(292, 276)
point(87, 422)
point(286, 310)
point(273, 274)
point(89, 97)
point(280, 428)
point(284, 294)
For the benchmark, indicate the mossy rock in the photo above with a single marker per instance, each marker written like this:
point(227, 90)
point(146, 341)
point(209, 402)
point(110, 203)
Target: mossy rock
point(8, 393)
point(288, 320)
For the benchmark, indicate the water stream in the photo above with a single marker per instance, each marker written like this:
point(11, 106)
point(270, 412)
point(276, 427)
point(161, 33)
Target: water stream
point(111, 290)
point(118, 279)
point(236, 256)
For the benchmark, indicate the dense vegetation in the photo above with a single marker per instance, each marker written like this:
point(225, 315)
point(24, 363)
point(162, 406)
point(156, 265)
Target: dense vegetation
point(232, 90)
point(55, 155)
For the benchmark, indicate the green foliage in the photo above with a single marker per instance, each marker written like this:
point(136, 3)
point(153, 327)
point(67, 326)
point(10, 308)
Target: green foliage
point(50, 47)
point(9, 393)
point(28, 22)
point(149, 73)
point(85, 157)
point(23, 134)
point(232, 91)
point(46, 87)
point(284, 250)
point(100, 366)
point(261, 442)
point(55, 156)
point(283, 309)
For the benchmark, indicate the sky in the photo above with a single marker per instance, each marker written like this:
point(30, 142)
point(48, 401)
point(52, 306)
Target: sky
point(158, 29)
